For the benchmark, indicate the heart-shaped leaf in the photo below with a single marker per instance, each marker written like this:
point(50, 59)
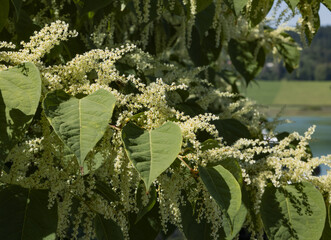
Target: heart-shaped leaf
point(224, 188)
point(20, 89)
point(79, 123)
point(293, 212)
point(152, 152)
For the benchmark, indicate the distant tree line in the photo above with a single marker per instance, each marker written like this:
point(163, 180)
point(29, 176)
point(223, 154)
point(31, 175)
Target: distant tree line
point(315, 61)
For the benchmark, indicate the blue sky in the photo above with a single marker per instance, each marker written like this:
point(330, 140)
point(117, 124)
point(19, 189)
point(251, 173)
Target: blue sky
point(325, 16)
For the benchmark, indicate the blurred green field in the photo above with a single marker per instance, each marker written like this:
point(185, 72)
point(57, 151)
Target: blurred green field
point(296, 93)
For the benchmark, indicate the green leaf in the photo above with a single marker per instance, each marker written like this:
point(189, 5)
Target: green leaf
point(24, 214)
point(310, 18)
point(327, 3)
point(148, 227)
point(232, 165)
point(105, 191)
point(231, 130)
point(327, 227)
point(209, 144)
point(25, 27)
point(107, 229)
point(94, 5)
point(238, 222)
point(203, 22)
point(247, 57)
point(17, 5)
point(4, 11)
point(191, 228)
point(236, 5)
point(151, 202)
point(289, 50)
point(202, 4)
point(95, 163)
point(152, 152)
point(203, 49)
point(79, 123)
point(260, 10)
point(292, 4)
point(224, 188)
point(293, 212)
point(20, 89)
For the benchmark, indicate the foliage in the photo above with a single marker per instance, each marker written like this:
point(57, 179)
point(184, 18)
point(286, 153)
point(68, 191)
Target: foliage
point(136, 127)
point(314, 61)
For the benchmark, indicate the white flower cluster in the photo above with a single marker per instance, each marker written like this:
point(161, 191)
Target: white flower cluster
point(40, 44)
point(45, 162)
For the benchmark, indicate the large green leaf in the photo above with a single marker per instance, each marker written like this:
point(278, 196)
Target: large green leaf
point(79, 123)
point(224, 188)
point(152, 152)
point(20, 89)
point(236, 5)
point(247, 57)
point(107, 229)
point(4, 11)
point(293, 212)
point(24, 214)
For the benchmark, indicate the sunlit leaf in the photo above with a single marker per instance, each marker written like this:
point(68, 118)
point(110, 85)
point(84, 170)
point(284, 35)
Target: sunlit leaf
point(152, 152)
point(293, 212)
point(20, 89)
point(224, 188)
point(79, 123)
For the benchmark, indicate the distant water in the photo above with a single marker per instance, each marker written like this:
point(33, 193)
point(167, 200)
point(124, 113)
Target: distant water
point(321, 139)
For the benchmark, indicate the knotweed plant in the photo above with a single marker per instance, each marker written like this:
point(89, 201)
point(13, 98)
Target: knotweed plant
point(119, 143)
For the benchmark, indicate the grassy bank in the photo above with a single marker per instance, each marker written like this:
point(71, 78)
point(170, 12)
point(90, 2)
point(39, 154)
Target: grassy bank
point(299, 97)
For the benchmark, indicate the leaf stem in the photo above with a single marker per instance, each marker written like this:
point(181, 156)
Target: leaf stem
point(115, 127)
point(181, 158)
